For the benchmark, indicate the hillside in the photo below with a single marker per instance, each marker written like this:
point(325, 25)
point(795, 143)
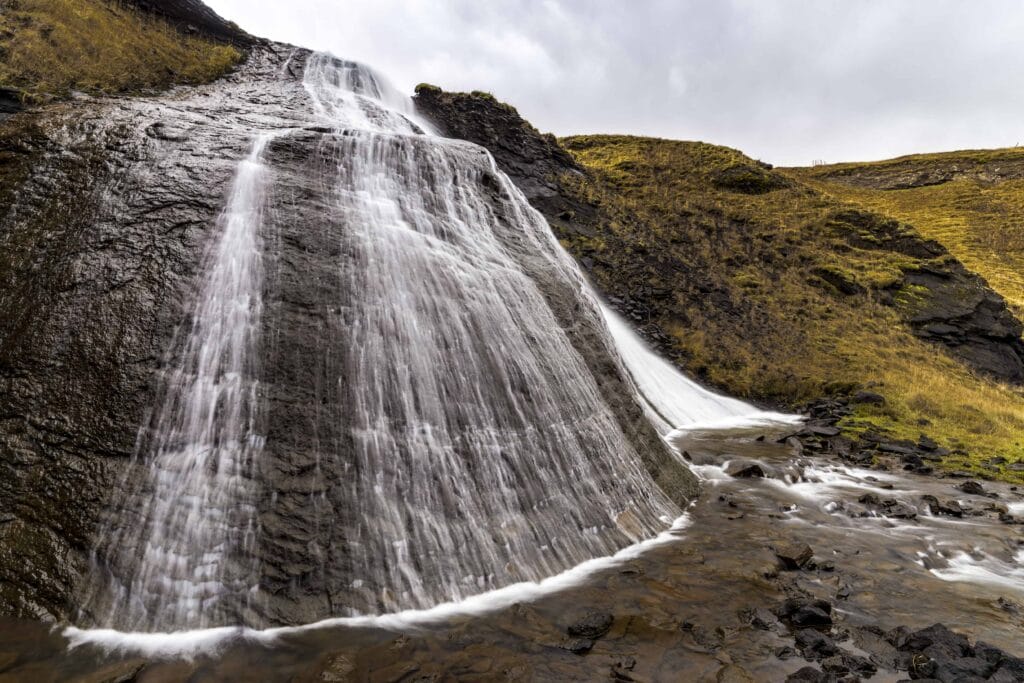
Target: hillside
point(772, 289)
point(970, 201)
point(50, 48)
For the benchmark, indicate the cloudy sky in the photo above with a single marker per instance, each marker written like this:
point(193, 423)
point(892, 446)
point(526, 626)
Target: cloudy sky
point(787, 81)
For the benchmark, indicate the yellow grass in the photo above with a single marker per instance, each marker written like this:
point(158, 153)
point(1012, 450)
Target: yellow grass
point(800, 339)
point(51, 47)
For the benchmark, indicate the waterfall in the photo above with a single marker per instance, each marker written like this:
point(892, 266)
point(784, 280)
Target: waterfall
point(396, 390)
point(184, 543)
point(673, 400)
point(482, 452)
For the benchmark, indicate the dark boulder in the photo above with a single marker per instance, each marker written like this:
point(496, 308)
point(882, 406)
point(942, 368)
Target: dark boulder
point(868, 397)
point(815, 644)
point(749, 179)
point(809, 674)
point(793, 554)
point(806, 612)
point(592, 626)
point(745, 470)
point(973, 488)
point(951, 508)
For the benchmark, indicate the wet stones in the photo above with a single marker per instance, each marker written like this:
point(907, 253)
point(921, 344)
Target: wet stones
point(584, 632)
point(974, 488)
point(938, 653)
point(809, 674)
point(949, 508)
point(889, 507)
point(793, 554)
point(592, 626)
point(745, 470)
point(803, 612)
point(815, 645)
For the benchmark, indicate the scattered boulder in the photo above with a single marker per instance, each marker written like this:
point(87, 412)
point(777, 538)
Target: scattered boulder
point(763, 619)
point(889, 507)
point(950, 507)
point(592, 626)
point(815, 644)
point(578, 646)
point(806, 612)
point(973, 488)
point(748, 179)
point(793, 554)
point(868, 397)
point(809, 674)
point(745, 470)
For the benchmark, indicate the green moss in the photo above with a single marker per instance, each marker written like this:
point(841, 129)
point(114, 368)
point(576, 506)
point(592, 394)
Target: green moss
point(750, 310)
point(49, 48)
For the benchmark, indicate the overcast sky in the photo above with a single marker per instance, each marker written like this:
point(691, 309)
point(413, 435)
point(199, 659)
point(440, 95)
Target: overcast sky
point(787, 81)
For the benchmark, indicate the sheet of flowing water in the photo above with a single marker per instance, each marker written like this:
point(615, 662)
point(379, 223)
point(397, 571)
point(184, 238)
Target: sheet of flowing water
point(478, 450)
point(673, 400)
point(482, 450)
point(183, 543)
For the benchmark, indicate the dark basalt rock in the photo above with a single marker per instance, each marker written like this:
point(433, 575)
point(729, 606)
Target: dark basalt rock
point(941, 300)
point(533, 161)
point(10, 103)
point(815, 645)
point(103, 231)
point(592, 626)
point(809, 674)
point(745, 470)
point(806, 612)
point(951, 507)
point(192, 16)
point(793, 554)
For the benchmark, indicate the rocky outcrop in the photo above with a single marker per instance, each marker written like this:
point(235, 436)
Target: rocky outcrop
point(941, 300)
point(192, 16)
point(534, 161)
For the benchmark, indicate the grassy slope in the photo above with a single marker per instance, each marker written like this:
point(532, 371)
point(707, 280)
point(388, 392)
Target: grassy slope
point(977, 215)
point(50, 47)
point(765, 325)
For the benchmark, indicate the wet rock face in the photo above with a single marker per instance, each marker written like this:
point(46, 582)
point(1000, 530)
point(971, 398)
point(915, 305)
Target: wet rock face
point(102, 235)
point(533, 161)
point(109, 210)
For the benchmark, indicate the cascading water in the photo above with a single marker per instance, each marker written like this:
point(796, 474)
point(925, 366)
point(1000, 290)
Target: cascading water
point(184, 543)
point(439, 432)
point(481, 450)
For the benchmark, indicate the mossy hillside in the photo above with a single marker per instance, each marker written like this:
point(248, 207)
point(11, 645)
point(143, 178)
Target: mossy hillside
point(49, 48)
point(781, 294)
point(976, 211)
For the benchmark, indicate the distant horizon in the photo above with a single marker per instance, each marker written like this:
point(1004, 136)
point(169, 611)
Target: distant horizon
point(787, 82)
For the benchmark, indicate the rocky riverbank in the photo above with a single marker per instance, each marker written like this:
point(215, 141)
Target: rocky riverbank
point(783, 576)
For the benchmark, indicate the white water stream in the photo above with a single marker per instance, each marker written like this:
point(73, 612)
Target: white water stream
point(479, 450)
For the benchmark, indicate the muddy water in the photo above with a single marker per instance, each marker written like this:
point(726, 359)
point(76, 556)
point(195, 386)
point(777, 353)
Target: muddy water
point(680, 608)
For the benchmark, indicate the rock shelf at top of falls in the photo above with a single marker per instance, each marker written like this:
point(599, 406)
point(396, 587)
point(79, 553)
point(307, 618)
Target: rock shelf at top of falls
point(413, 365)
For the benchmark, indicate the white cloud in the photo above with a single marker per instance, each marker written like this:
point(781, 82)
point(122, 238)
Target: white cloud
point(785, 80)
